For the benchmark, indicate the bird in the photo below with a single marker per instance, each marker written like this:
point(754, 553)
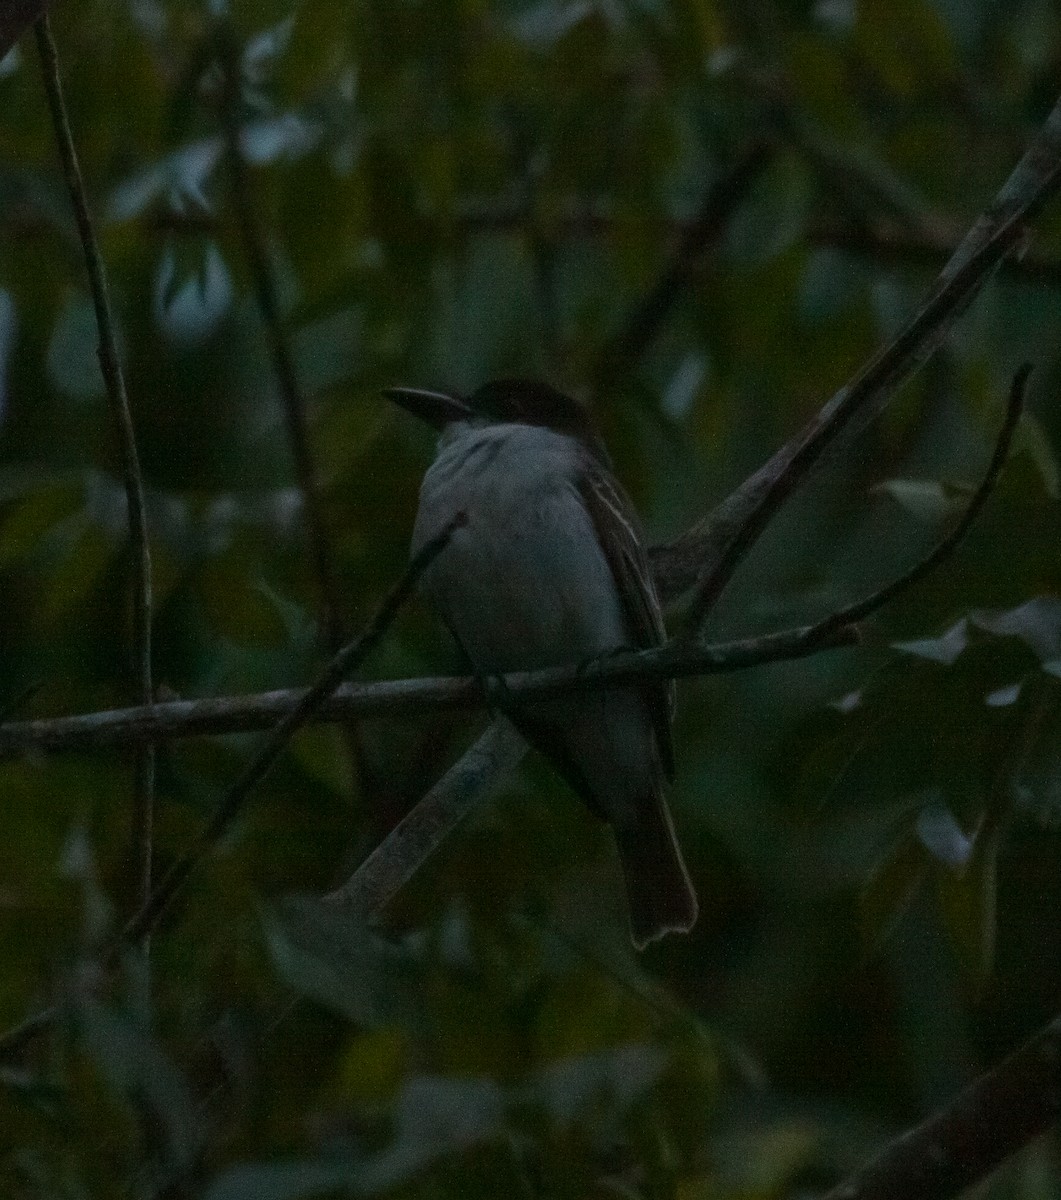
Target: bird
point(545, 566)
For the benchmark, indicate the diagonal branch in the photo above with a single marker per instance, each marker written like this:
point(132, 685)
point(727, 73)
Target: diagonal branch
point(346, 660)
point(707, 554)
point(110, 365)
point(995, 1116)
point(646, 318)
point(851, 614)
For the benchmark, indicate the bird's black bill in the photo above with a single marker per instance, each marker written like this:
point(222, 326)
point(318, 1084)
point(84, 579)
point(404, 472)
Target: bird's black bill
point(436, 408)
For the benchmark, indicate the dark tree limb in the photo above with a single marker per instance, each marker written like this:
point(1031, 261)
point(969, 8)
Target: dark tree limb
point(649, 313)
point(111, 368)
point(995, 1116)
point(706, 555)
point(241, 714)
point(268, 302)
point(348, 659)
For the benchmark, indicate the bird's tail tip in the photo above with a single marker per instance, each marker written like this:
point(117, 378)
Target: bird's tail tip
point(660, 895)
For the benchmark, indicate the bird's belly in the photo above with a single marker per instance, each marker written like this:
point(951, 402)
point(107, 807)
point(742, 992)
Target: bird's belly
point(523, 582)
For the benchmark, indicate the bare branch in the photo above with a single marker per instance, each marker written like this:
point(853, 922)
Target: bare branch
point(348, 659)
point(861, 609)
point(268, 301)
point(996, 1115)
point(707, 554)
point(240, 714)
point(646, 318)
point(478, 774)
point(110, 365)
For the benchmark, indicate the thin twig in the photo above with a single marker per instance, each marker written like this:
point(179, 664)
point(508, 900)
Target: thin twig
point(348, 659)
point(852, 614)
point(477, 774)
point(241, 714)
point(710, 552)
point(268, 302)
point(645, 320)
point(110, 365)
point(994, 1116)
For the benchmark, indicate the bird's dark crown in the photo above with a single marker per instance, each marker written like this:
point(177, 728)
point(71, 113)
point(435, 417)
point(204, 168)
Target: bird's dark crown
point(531, 402)
point(515, 401)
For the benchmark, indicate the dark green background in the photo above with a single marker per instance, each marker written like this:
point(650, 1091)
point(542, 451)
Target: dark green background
point(452, 191)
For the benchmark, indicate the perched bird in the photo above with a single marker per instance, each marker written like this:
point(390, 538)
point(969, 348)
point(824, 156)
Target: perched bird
point(548, 567)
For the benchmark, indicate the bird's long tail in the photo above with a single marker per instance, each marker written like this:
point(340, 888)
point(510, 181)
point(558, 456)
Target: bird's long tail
point(659, 893)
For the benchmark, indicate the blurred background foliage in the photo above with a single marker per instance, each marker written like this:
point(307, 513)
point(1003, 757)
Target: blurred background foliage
point(450, 190)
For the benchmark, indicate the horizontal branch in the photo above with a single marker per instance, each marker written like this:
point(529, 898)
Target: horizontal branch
point(241, 714)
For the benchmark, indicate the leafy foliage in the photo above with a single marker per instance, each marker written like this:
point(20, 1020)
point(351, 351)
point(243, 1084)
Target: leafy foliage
point(451, 192)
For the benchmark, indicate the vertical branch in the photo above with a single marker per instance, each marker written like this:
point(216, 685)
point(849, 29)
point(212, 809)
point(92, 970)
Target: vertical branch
point(647, 316)
point(291, 397)
point(265, 294)
point(143, 821)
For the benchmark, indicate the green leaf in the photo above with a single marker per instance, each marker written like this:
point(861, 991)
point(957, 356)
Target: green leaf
point(941, 835)
point(282, 1180)
point(334, 958)
point(928, 500)
point(969, 903)
point(890, 888)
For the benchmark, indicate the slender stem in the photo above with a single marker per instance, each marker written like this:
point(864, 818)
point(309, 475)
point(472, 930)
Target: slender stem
point(960, 1145)
point(268, 302)
point(110, 365)
point(853, 613)
point(240, 714)
point(348, 659)
point(649, 313)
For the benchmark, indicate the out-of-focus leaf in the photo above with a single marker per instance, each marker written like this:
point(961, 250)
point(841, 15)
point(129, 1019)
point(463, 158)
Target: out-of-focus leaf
point(1004, 696)
point(941, 835)
point(78, 863)
point(929, 500)
point(283, 1180)
point(72, 360)
point(608, 1081)
point(261, 52)
point(1037, 623)
point(945, 649)
point(181, 178)
point(543, 24)
point(890, 889)
point(289, 136)
point(135, 1065)
point(336, 959)
point(969, 902)
point(435, 1116)
point(190, 306)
